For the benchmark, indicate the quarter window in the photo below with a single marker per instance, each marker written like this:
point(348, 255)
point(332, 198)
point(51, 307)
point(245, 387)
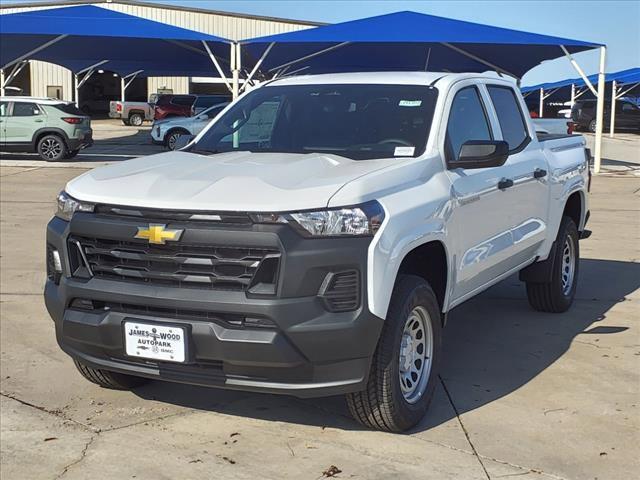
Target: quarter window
point(467, 121)
point(514, 129)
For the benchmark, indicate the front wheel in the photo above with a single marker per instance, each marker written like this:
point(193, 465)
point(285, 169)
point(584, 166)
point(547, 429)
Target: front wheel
point(557, 295)
point(172, 137)
point(404, 369)
point(593, 125)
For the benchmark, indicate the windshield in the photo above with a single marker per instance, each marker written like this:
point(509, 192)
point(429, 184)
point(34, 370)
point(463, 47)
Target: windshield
point(358, 121)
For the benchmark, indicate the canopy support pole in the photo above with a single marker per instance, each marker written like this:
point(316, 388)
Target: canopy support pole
point(236, 67)
point(575, 65)
point(126, 81)
point(612, 125)
point(541, 104)
point(310, 56)
point(478, 59)
point(257, 65)
point(214, 60)
point(600, 110)
point(90, 70)
point(599, 94)
point(573, 94)
point(17, 68)
point(35, 50)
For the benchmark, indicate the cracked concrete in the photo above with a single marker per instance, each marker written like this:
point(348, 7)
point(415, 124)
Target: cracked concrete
point(522, 395)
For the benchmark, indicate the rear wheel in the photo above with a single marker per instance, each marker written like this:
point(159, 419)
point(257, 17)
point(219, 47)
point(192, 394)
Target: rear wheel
point(557, 295)
point(107, 379)
point(136, 119)
point(51, 148)
point(405, 365)
point(593, 125)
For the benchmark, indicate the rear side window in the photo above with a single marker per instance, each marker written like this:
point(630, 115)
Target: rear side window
point(512, 124)
point(21, 109)
point(69, 109)
point(467, 121)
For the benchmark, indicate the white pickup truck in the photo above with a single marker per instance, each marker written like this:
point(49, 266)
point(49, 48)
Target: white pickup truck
point(312, 239)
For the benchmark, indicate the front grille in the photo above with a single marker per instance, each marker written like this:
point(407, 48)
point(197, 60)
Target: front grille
point(164, 216)
point(180, 265)
point(341, 291)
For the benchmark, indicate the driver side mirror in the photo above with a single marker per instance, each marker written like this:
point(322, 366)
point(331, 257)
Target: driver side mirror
point(182, 141)
point(482, 154)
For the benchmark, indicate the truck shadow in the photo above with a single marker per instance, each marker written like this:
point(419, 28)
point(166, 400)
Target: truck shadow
point(493, 345)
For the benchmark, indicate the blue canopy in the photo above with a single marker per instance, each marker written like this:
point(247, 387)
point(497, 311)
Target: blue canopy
point(79, 37)
point(623, 77)
point(409, 41)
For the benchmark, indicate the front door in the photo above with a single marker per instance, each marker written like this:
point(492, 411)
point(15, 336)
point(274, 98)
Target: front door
point(481, 228)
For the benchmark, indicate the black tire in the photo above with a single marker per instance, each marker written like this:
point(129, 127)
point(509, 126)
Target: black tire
point(382, 405)
point(557, 295)
point(51, 148)
point(171, 137)
point(136, 119)
point(107, 379)
point(72, 154)
point(126, 122)
point(593, 124)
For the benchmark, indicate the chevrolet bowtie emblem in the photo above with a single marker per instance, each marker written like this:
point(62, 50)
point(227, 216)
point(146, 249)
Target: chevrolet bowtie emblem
point(156, 233)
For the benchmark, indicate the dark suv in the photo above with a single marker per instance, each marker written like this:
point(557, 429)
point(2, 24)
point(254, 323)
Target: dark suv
point(583, 115)
point(168, 106)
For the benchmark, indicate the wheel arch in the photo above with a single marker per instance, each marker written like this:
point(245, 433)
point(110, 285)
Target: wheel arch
point(574, 207)
point(41, 132)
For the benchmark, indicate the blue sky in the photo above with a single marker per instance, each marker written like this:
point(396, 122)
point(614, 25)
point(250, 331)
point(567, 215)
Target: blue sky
point(615, 23)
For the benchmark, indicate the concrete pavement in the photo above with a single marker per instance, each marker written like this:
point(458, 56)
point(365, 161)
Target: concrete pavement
point(522, 393)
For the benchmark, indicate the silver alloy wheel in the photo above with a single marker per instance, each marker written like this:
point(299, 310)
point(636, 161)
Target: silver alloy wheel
point(171, 143)
point(51, 148)
point(568, 265)
point(136, 120)
point(416, 352)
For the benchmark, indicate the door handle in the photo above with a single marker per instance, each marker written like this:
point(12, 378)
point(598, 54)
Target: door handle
point(39, 120)
point(505, 183)
point(539, 173)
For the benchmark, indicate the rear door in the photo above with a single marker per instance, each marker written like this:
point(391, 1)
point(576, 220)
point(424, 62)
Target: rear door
point(527, 168)
point(25, 119)
point(481, 228)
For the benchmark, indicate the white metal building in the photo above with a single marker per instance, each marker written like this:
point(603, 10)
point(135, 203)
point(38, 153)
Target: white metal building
point(46, 79)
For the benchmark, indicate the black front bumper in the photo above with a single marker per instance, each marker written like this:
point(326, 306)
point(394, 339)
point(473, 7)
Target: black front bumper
point(307, 351)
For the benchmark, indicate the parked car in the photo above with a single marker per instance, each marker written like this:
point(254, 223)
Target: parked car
point(166, 132)
point(169, 106)
point(583, 114)
point(131, 113)
point(313, 238)
point(54, 129)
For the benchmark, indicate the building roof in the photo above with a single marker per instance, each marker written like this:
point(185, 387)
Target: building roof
point(138, 3)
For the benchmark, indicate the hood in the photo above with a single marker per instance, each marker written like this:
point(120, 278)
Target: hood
point(174, 121)
point(233, 181)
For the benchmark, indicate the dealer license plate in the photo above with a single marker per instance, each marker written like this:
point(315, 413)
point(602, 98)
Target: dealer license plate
point(157, 342)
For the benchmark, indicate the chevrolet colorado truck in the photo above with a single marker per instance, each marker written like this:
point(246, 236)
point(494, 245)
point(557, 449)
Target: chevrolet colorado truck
point(312, 239)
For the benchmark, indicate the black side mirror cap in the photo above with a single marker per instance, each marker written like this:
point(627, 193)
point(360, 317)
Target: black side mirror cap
point(482, 154)
point(182, 141)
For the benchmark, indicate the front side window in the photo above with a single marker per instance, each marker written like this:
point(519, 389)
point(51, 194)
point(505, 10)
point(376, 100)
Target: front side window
point(512, 124)
point(358, 121)
point(467, 121)
point(4, 107)
point(21, 109)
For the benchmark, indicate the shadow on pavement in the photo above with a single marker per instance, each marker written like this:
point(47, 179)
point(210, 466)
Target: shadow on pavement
point(494, 344)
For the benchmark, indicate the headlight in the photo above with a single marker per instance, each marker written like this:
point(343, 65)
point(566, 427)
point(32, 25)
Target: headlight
point(68, 205)
point(360, 220)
